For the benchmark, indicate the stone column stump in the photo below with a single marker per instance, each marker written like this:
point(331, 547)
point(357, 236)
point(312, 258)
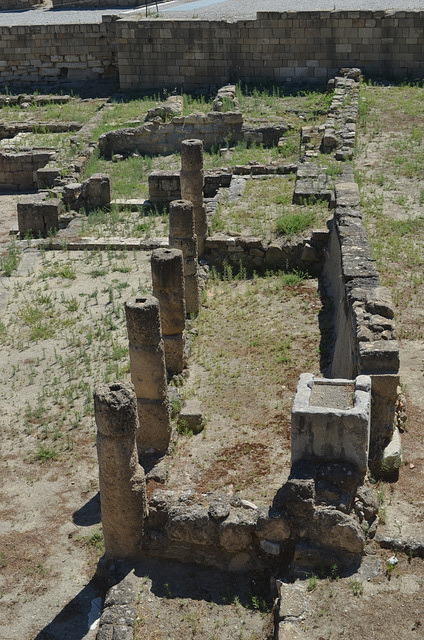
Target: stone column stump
point(182, 236)
point(121, 479)
point(192, 180)
point(148, 375)
point(168, 288)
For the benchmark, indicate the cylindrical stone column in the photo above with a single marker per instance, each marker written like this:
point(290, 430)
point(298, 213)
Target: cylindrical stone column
point(182, 236)
point(192, 180)
point(148, 375)
point(121, 479)
point(168, 288)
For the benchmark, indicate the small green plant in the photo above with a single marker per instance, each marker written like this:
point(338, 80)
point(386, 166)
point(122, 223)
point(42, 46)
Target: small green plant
point(10, 261)
point(292, 224)
point(46, 453)
point(356, 587)
point(312, 583)
point(184, 429)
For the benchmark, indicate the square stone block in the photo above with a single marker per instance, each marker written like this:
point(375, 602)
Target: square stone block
point(331, 420)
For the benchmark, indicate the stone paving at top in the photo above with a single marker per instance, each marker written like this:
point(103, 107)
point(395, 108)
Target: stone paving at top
point(230, 10)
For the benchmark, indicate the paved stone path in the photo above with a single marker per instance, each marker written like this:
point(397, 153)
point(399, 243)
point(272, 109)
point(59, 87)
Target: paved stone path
point(198, 9)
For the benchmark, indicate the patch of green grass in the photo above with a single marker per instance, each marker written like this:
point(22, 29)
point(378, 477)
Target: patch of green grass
point(58, 269)
point(292, 224)
point(46, 453)
point(9, 262)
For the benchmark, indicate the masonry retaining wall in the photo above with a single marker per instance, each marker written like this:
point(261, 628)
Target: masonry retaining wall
point(42, 54)
point(17, 5)
point(276, 47)
point(291, 47)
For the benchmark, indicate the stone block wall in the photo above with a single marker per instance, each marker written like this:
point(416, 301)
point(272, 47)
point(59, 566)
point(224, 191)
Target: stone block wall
point(365, 338)
point(285, 47)
point(277, 47)
point(156, 137)
point(95, 4)
point(18, 171)
point(46, 54)
point(17, 5)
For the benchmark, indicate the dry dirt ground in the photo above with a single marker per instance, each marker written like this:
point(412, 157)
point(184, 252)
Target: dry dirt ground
point(50, 535)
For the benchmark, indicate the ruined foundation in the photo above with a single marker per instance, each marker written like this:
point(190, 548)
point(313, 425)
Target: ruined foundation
point(192, 180)
point(182, 236)
point(148, 374)
point(121, 479)
point(168, 288)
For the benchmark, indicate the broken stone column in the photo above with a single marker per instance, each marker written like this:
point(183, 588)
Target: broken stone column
point(148, 375)
point(192, 179)
point(182, 236)
point(121, 479)
point(168, 288)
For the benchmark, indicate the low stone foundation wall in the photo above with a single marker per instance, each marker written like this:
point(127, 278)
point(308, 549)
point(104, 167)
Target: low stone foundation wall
point(18, 171)
point(305, 254)
point(156, 137)
point(365, 339)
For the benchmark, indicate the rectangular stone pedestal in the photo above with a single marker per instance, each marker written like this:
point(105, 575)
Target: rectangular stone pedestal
point(331, 420)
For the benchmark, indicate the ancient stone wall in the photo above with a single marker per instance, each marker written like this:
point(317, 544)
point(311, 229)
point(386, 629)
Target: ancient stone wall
point(154, 137)
point(85, 4)
point(365, 340)
point(18, 171)
point(277, 47)
point(282, 47)
point(17, 5)
point(43, 54)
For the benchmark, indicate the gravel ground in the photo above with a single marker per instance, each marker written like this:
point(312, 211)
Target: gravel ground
point(201, 9)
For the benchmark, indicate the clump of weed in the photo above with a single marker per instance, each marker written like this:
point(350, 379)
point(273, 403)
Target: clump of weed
point(292, 224)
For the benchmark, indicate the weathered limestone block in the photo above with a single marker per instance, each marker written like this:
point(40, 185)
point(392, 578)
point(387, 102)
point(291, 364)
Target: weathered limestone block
point(392, 455)
point(332, 528)
point(182, 236)
point(164, 187)
point(46, 177)
point(121, 479)
point(236, 531)
point(192, 525)
point(96, 191)
point(272, 525)
point(37, 215)
point(191, 416)
point(330, 433)
point(173, 106)
point(148, 374)
point(71, 193)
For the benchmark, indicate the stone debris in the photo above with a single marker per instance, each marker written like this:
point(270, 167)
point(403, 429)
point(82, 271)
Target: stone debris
point(191, 416)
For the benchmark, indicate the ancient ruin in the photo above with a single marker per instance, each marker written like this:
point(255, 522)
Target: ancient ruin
point(169, 289)
point(182, 237)
point(345, 424)
point(148, 374)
